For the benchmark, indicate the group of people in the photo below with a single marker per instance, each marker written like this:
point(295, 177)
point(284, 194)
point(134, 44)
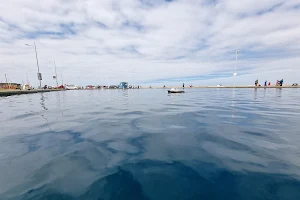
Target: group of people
point(182, 86)
point(278, 83)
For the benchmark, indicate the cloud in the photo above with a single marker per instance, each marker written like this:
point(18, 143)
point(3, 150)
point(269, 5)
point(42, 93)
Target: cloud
point(159, 41)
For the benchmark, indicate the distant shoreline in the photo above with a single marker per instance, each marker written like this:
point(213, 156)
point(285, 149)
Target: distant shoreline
point(255, 87)
point(4, 93)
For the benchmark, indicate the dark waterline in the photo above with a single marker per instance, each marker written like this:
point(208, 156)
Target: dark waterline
point(146, 144)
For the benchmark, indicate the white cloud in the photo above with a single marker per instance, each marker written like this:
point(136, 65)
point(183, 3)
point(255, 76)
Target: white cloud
point(158, 40)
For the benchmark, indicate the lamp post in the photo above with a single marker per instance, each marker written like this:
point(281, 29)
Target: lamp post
point(6, 80)
point(107, 81)
point(62, 79)
point(39, 75)
point(133, 78)
point(27, 79)
point(236, 59)
point(99, 80)
point(55, 73)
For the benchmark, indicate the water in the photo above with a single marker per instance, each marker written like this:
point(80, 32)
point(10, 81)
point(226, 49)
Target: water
point(146, 144)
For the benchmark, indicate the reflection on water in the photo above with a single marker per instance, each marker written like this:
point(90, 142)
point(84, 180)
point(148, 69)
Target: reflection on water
point(146, 144)
point(278, 92)
point(43, 101)
point(233, 104)
point(45, 108)
point(255, 93)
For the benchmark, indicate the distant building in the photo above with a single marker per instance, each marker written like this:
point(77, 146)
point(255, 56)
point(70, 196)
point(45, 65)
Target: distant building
point(123, 85)
point(90, 87)
point(11, 86)
point(26, 87)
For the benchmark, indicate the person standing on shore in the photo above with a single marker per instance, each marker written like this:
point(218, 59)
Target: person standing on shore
point(281, 82)
point(183, 85)
point(265, 83)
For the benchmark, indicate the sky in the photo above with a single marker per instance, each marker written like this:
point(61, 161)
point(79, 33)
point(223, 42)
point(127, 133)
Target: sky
point(150, 42)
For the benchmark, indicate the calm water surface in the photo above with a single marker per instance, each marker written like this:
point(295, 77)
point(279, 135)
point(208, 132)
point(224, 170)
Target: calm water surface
point(146, 144)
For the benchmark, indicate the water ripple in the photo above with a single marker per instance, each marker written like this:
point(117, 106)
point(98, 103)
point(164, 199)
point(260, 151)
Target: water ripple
point(146, 144)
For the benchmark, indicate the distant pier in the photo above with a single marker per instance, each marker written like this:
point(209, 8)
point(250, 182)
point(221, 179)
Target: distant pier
point(18, 92)
point(202, 87)
point(286, 86)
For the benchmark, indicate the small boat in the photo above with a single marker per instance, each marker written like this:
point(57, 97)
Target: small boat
point(175, 90)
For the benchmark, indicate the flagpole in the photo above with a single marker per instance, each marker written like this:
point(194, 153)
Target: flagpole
point(55, 74)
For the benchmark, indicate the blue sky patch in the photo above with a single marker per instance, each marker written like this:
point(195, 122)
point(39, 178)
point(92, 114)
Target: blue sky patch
point(101, 25)
point(193, 78)
point(132, 25)
point(65, 30)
